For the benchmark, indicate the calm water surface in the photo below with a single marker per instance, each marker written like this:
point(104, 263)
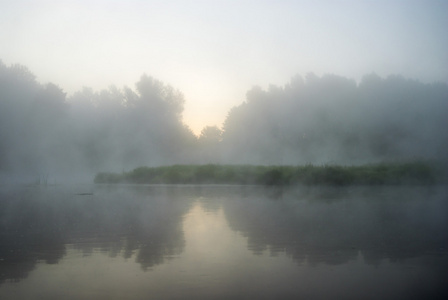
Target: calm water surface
point(222, 242)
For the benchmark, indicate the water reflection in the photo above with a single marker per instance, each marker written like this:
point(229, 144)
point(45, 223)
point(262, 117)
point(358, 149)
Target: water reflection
point(38, 223)
point(331, 226)
point(224, 242)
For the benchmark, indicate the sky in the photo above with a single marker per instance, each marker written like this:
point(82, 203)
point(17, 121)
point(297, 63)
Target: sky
point(215, 51)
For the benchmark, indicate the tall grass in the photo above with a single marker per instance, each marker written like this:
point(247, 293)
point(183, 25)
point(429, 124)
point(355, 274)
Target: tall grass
point(415, 172)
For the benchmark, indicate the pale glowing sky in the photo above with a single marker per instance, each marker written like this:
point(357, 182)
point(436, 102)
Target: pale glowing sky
point(215, 51)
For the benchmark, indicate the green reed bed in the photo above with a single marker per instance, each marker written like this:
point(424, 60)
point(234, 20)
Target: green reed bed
point(417, 172)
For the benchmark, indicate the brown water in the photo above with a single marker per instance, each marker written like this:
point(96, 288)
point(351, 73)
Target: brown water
point(223, 242)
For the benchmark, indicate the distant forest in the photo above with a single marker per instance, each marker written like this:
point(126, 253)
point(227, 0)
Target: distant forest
point(318, 120)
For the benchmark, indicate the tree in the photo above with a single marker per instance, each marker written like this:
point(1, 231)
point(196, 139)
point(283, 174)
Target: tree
point(159, 98)
point(210, 135)
point(209, 144)
point(18, 88)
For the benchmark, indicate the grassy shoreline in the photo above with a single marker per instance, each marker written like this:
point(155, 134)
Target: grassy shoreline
point(416, 172)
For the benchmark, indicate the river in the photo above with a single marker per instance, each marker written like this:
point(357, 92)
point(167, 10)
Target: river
point(223, 242)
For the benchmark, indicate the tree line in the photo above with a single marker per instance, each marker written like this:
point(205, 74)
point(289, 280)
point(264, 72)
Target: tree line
point(319, 120)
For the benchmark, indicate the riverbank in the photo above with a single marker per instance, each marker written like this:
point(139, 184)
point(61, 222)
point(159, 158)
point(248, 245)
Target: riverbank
point(416, 172)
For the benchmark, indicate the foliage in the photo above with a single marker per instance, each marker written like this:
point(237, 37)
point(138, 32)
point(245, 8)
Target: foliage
point(334, 119)
point(414, 172)
point(319, 120)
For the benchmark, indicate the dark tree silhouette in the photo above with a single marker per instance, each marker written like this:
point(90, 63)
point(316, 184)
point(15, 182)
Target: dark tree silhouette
point(333, 120)
point(328, 119)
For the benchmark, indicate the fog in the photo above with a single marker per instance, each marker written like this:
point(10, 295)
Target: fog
point(141, 240)
point(48, 137)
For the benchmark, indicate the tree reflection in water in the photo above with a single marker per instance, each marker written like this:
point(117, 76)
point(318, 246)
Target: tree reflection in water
point(37, 223)
point(316, 227)
point(333, 225)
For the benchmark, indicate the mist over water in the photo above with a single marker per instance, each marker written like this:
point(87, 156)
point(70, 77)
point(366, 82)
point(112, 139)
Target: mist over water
point(48, 137)
point(298, 185)
point(223, 241)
